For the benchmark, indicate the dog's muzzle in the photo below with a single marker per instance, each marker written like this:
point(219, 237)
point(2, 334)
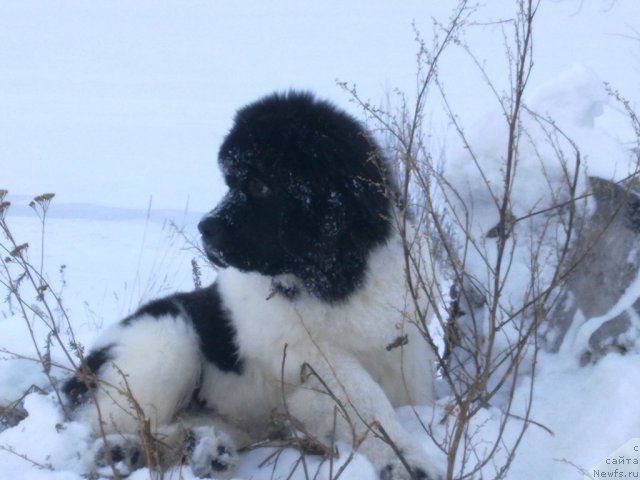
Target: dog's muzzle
point(211, 231)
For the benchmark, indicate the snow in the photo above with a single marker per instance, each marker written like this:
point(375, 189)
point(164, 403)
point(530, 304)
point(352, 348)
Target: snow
point(575, 101)
point(119, 109)
point(588, 410)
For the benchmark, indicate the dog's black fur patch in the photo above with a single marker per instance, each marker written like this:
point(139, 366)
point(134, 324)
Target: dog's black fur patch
point(216, 332)
point(77, 388)
point(155, 308)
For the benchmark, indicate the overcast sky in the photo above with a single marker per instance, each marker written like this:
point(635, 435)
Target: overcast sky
point(117, 102)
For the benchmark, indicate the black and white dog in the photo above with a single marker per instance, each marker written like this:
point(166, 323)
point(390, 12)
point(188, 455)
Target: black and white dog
point(310, 311)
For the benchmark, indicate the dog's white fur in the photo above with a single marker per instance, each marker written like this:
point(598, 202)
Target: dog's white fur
point(344, 344)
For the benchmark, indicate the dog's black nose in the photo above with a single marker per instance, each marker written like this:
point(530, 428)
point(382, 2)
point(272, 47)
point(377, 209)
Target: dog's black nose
point(208, 227)
point(213, 239)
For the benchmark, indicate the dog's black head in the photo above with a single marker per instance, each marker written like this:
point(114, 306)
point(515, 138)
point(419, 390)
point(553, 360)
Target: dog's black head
point(309, 195)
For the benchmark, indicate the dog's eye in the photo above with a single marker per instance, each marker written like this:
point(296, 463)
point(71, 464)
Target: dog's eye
point(258, 189)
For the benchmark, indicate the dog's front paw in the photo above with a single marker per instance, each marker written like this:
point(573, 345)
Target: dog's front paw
point(122, 451)
point(211, 452)
point(394, 471)
point(419, 468)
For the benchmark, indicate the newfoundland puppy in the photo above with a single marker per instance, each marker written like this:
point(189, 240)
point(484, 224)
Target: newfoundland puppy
point(309, 325)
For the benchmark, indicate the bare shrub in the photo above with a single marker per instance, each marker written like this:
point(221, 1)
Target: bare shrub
point(499, 282)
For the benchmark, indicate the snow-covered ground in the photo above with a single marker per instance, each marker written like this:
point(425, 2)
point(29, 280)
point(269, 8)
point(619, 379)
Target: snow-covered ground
point(118, 108)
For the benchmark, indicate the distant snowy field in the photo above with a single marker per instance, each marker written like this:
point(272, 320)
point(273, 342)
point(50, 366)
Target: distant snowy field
point(117, 106)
